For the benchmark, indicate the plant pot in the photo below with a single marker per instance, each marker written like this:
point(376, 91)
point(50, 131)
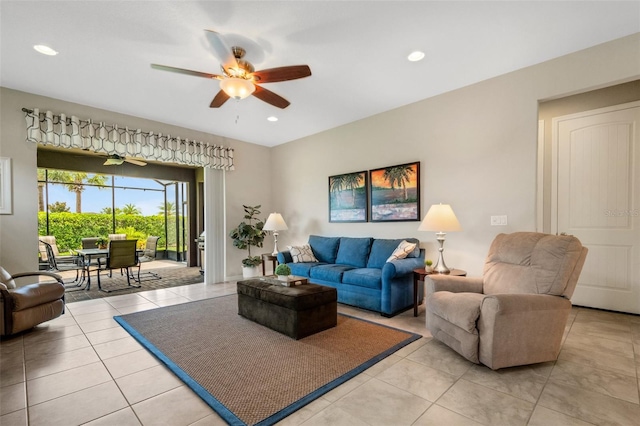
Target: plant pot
point(250, 271)
point(284, 278)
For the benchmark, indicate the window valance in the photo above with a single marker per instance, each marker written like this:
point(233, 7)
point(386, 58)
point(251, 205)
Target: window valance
point(47, 128)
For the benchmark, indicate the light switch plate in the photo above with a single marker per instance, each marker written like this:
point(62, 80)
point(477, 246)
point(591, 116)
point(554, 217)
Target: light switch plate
point(499, 220)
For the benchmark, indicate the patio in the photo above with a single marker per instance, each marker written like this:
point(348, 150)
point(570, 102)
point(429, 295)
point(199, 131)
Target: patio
point(173, 274)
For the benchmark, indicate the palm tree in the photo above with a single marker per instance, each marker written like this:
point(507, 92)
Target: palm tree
point(399, 176)
point(352, 181)
point(169, 207)
point(337, 184)
point(73, 181)
point(130, 209)
point(41, 183)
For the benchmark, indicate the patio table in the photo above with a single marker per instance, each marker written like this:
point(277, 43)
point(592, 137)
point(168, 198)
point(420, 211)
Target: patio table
point(94, 253)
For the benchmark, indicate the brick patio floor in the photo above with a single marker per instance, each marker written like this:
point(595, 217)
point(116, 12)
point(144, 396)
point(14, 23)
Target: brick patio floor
point(173, 274)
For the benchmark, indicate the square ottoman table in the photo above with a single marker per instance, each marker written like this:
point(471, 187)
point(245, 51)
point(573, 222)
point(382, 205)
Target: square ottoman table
point(297, 311)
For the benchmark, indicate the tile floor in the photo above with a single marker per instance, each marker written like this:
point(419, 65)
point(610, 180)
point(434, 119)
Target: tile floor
point(82, 368)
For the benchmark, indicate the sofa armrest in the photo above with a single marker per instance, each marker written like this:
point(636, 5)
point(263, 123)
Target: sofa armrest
point(284, 257)
point(401, 267)
point(454, 284)
point(520, 329)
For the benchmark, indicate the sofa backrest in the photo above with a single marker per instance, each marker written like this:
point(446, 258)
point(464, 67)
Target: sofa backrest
point(354, 251)
point(532, 262)
point(325, 249)
point(381, 249)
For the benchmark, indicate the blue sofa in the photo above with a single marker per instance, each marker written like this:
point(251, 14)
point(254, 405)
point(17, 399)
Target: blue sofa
point(358, 269)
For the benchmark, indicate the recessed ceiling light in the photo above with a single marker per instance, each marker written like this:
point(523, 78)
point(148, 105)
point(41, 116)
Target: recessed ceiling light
point(415, 56)
point(45, 50)
point(272, 118)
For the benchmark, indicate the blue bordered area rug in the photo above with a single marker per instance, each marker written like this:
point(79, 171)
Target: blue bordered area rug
point(249, 374)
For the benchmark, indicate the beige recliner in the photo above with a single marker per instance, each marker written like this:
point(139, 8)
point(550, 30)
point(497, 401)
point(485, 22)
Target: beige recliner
point(516, 313)
point(25, 307)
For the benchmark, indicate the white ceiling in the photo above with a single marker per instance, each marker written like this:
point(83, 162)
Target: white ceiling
point(356, 50)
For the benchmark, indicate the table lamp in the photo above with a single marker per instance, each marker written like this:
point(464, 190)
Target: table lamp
point(275, 223)
point(440, 218)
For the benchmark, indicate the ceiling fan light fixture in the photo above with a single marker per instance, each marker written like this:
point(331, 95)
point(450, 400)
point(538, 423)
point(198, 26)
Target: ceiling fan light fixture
point(237, 88)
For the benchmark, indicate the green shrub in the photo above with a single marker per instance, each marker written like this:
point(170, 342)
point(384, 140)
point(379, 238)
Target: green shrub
point(70, 228)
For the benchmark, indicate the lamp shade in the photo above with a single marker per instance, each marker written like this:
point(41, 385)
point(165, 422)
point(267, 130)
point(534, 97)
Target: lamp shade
point(275, 222)
point(440, 218)
point(237, 88)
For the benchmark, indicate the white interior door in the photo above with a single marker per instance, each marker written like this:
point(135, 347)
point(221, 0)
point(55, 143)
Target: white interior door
point(595, 196)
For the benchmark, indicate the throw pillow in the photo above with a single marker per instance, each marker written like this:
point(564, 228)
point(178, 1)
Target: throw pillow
point(301, 254)
point(402, 251)
point(5, 278)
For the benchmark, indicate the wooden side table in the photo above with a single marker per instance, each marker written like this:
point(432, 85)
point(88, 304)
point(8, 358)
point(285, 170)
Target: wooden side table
point(268, 257)
point(419, 275)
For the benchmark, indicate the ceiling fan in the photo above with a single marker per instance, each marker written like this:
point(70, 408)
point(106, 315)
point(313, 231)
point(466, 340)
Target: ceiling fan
point(239, 79)
point(116, 160)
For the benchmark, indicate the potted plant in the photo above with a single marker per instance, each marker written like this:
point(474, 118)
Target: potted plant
point(247, 234)
point(283, 271)
point(102, 242)
point(427, 266)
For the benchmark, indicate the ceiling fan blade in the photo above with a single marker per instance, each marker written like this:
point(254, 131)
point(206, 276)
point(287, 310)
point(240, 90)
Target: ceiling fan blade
point(271, 98)
point(273, 75)
point(113, 162)
point(222, 51)
point(136, 162)
point(220, 99)
point(187, 72)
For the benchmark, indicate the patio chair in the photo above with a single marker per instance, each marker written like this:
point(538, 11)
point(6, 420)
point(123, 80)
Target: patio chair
point(114, 237)
point(149, 255)
point(122, 255)
point(22, 308)
point(90, 242)
point(51, 240)
point(58, 263)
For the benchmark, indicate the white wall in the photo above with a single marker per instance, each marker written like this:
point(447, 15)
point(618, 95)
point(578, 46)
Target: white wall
point(477, 148)
point(476, 145)
point(248, 184)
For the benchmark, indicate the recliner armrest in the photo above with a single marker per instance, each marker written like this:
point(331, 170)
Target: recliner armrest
point(32, 274)
point(454, 284)
point(513, 303)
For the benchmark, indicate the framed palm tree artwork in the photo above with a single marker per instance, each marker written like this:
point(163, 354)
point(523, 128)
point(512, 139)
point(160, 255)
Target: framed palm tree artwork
point(348, 197)
point(395, 193)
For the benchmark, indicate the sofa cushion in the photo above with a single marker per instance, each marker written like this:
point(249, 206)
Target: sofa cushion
point(300, 254)
point(5, 278)
point(402, 251)
point(363, 277)
point(324, 248)
point(381, 249)
point(303, 269)
point(331, 273)
point(354, 251)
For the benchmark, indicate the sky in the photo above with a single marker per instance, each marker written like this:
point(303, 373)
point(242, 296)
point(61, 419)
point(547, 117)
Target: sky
point(94, 199)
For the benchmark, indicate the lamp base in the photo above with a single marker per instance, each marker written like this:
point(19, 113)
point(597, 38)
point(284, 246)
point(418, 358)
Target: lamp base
point(441, 267)
point(275, 244)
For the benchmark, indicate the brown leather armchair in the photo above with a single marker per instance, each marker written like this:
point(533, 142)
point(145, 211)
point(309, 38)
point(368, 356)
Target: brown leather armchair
point(27, 306)
point(516, 313)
